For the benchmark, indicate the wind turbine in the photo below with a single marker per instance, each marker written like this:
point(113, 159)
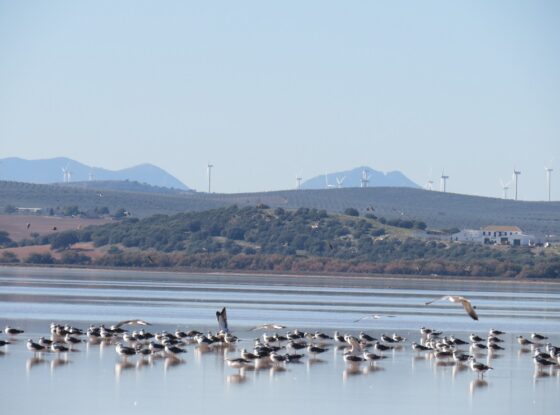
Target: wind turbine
point(66, 174)
point(210, 176)
point(443, 182)
point(430, 183)
point(505, 187)
point(329, 186)
point(298, 182)
point(364, 181)
point(548, 170)
point(340, 181)
point(516, 174)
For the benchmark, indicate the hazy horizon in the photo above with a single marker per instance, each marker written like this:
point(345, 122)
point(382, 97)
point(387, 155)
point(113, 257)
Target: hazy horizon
point(266, 92)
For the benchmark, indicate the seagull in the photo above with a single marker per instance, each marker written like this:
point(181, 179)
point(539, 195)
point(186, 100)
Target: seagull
point(4, 343)
point(523, 341)
point(494, 332)
point(538, 337)
point(221, 316)
point(458, 299)
point(124, 350)
point(480, 368)
point(34, 347)
point(269, 326)
point(372, 357)
point(373, 317)
point(130, 322)
point(353, 358)
point(12, 331)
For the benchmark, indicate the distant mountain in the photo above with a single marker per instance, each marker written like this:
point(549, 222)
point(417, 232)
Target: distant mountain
point(51, 171)
point(353, 178)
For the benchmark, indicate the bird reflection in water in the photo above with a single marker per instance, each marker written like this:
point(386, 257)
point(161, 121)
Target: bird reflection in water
point(238, 378)
point(59, 362)
point(172, 361)
point(122, 366)
point(477, 384)
point(372, 369)
point(276, 370)
point(458, 368)
point(34, 361)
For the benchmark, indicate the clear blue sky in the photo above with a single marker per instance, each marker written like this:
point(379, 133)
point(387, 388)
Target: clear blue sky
point(267, 90)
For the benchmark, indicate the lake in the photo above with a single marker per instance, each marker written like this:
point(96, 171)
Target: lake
point(94, 379)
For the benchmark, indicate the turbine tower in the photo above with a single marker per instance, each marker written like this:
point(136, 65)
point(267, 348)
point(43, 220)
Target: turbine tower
point(210, 177)
point(505, 187)
point(548, 171)
point(430, 185)
point(443, 183)
point(516, 174)
point(298, 182)
point(329, 186)
point(66, 174)
point(364, 181)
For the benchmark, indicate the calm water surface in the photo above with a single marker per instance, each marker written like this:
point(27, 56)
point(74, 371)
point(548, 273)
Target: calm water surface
point(93, 379)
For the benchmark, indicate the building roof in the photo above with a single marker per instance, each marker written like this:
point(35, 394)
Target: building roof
point(494, 228)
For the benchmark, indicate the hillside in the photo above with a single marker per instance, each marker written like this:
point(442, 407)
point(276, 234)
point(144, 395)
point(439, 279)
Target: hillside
point(353, 178)
point(265, 239)
point(51, 171)
point(438, 210)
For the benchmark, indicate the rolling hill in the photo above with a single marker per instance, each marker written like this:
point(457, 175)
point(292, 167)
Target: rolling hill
point(438, 210)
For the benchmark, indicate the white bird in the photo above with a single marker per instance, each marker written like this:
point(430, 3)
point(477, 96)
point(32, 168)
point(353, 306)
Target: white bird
point(458, 299)
point(269, 326)
point(373, 317)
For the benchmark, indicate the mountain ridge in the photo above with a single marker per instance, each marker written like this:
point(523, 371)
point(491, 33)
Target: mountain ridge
point(353, 178)
point(50, 171)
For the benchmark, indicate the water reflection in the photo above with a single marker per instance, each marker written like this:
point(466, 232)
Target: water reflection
point(33, 361)
point(477, 384)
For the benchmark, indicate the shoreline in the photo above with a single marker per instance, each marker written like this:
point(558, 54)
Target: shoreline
point(339, 277)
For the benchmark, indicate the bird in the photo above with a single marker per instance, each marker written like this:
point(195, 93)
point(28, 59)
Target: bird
point(4, 343)
point(238, 363)
point(221, 316)
point(58, 348)
point(419, 348)
point(372, 357)
point(373, 317)
point(458, 299)
point(475, 338)
point(523, 341)
point(494, 332)
point(269, 326)
point(478, 367)
point(12, 331)
point(124, 350)
point(350, 358)
point(174, 349)
point(538, 337)
point(34, 347)
point(130, 322)
point(316, 349)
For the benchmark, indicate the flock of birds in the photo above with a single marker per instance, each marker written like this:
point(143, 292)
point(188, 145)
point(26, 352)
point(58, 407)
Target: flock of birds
point(277, 350)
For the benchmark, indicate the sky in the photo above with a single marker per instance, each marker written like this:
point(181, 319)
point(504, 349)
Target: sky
point(267, 91)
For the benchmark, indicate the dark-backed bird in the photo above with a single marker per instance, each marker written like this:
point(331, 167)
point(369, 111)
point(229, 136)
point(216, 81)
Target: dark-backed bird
point(461, 300)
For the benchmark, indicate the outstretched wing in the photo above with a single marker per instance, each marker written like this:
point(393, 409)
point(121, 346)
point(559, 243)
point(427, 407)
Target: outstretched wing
point(221, 316)
point(270, 326)
point(132, 323)
point(445, 297)
point(469, 309)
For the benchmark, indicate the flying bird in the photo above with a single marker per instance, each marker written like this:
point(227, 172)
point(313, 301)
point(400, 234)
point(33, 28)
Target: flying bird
point(270, 326)
point(458, 299)
point(221, 316)
point(373, 317)
point(132, 323)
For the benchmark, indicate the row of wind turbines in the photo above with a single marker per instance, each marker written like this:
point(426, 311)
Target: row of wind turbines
point(67, 175)
point(364, 182)
point(505, 186)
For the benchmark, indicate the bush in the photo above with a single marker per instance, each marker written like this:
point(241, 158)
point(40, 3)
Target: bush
point(37, 258)
point(64, 240)
point(351, 212)
point(9, 257)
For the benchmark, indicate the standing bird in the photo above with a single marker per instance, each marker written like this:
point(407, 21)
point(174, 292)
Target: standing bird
point(458, 299)
point(478, 367)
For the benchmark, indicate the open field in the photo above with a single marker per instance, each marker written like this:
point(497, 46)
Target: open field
point(438, 210)
point(17, 225)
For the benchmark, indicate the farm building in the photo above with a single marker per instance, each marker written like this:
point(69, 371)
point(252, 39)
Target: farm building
point(502, 235)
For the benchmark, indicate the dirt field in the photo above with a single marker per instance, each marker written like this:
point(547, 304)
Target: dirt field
point(17, 226)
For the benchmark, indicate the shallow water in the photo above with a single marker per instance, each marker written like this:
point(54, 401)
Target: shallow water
point(95, 379)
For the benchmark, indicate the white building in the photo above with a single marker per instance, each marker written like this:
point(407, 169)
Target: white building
point(502, 235)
